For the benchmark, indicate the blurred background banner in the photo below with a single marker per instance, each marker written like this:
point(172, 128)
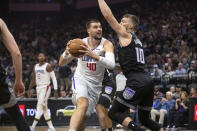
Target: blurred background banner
point(28, 109)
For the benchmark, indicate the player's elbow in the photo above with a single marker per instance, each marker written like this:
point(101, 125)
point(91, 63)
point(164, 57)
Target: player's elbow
point(60, 63)
point(17, 54)
point(112, 66)
point(106, 16)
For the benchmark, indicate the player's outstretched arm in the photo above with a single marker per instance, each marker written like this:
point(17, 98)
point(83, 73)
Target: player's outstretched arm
point(12, 47)
point(107, 13)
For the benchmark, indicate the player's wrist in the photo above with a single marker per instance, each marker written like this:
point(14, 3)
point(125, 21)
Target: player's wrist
point(94, 56)
point(64, 55)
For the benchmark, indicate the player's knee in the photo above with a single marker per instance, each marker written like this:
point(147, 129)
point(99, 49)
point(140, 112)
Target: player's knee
point(82, 103)
point(44, 107)
point(104, 100)
point(100, 111)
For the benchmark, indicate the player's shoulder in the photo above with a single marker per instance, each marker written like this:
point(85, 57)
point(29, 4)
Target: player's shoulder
point(107, 42)
point(1, 24)
point(49, 67)
point(85, 39)
point(48, 64)
point(1, 21)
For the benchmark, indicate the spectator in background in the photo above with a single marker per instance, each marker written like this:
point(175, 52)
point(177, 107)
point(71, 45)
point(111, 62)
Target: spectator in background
point(62, 94)
point(32, 93)
point(193, 92)
point(162, 108)
point(65, 79)
point(177, 94)
point(180, 72)
point(156, 91)
point(175, 61)
point(185, 63)
point(157, 74)
point(168, 70)
point(156, 71)
point(169, 62)
point(181, 111)
point(167, 74)
point(192, 70)
point(172, 90)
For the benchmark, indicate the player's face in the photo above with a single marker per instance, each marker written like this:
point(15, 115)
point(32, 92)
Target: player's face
point(41, 57)
point(126, 23)
point(95, 31)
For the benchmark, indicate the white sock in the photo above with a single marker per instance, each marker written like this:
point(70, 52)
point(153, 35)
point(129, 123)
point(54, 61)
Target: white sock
point(50, 124)
point(34, 124)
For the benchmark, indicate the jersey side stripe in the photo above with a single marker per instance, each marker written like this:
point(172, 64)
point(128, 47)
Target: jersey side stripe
point(74, 82)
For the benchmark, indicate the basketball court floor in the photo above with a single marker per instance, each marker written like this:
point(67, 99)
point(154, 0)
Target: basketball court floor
point(12, 128)
point(6, 128)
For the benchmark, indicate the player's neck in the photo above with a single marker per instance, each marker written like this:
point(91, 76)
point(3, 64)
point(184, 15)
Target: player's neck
point(41, 63)
point(93, 43)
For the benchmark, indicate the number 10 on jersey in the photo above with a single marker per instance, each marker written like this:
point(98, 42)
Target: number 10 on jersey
point(140, 55)
point(91, 66)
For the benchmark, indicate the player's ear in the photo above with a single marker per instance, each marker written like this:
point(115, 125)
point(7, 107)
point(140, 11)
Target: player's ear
point(88, 30)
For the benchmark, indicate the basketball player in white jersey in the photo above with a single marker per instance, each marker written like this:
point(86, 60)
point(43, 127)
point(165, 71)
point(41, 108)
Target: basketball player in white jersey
point(87, 80)
point(42, 75)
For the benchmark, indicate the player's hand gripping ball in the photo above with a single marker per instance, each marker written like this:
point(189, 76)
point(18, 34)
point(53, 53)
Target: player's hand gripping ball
point(75, 46)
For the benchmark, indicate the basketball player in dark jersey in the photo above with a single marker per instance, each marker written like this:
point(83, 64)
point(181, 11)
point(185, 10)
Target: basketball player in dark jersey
point(105, 99)
point(139, 86)
point(7, 97)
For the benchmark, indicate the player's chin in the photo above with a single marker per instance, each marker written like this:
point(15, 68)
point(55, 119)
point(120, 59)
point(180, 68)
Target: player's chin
point(98, 37)
point(42, 60)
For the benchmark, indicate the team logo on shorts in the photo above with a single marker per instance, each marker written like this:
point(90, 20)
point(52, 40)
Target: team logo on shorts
point(128, 93)
point(108, 89)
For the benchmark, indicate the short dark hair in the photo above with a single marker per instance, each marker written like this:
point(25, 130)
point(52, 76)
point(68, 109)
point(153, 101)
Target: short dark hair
point(90, 22)
point(135, 20)
point(41, 53)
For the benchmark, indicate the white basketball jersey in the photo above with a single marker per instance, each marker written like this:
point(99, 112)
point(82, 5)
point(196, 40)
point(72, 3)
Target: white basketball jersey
point(42, 76)
point(90, 69)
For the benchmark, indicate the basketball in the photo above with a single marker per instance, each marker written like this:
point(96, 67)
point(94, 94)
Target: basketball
point(75, 46)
